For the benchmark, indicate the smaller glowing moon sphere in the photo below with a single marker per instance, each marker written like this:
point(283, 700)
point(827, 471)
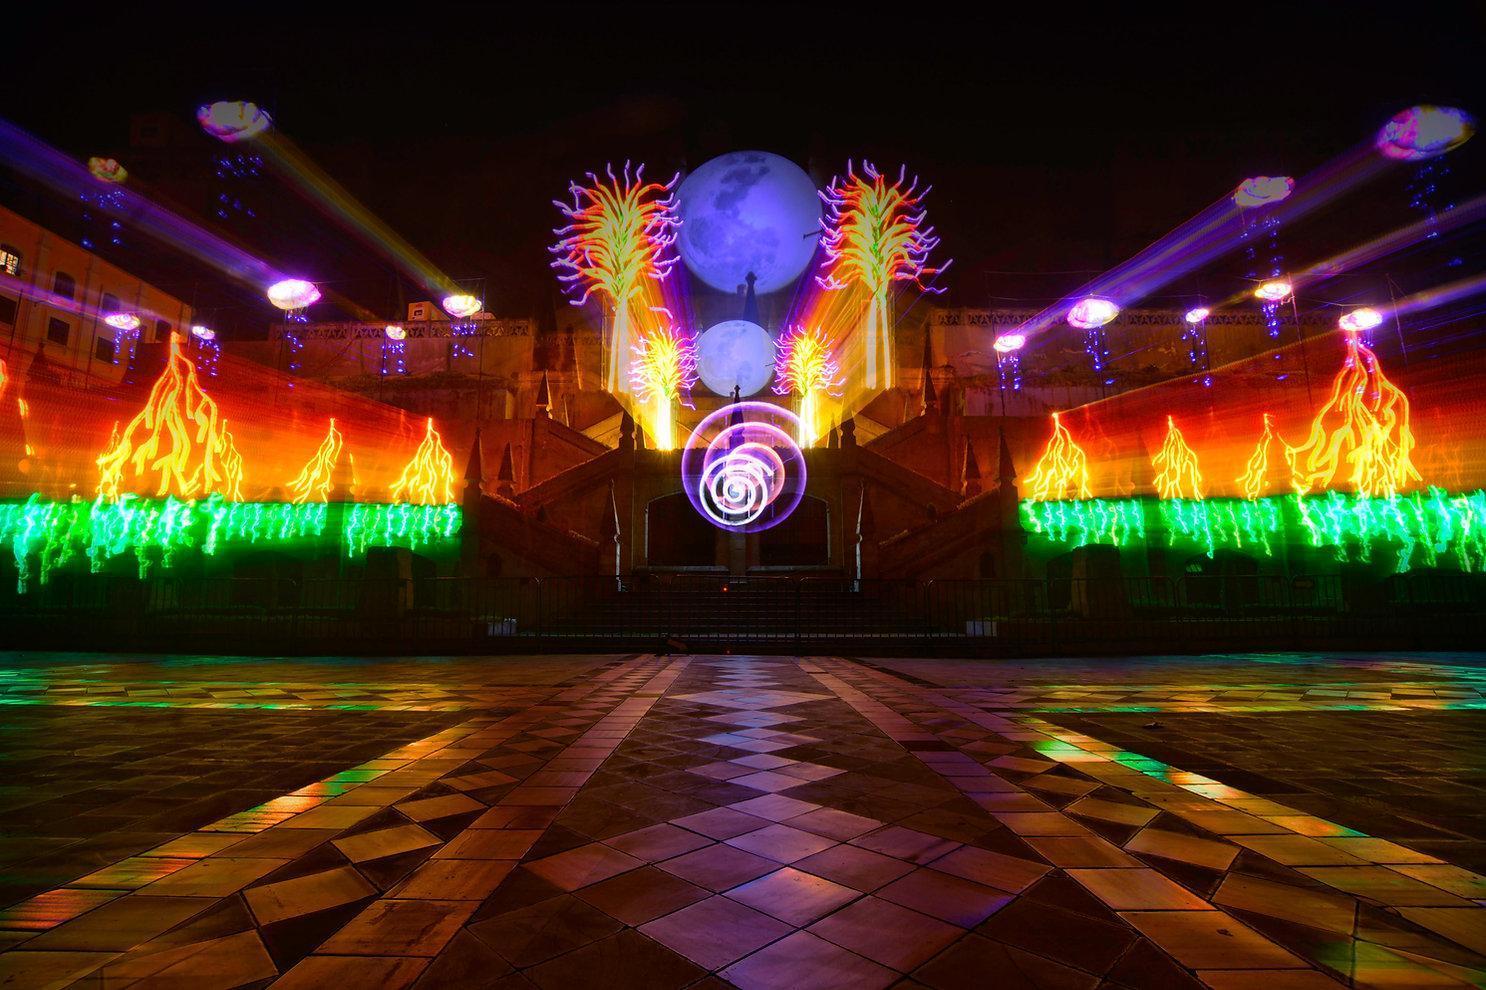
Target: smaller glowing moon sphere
point(1277, 290)
point(461, 304)
point(203, 333)
point(231, 121)
point(395, 332)
point(107, 170)
point(122, 321)
point(1197, 314)
point(1008, 342)
point(1092, 312)
point(292, 294)
point(1424, 132)
point(1262, 190)
point(1358, 320)
point(735, 354)
point(742, 469)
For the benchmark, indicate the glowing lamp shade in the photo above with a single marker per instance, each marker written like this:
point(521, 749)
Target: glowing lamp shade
point(107, 170)
point(292, 294)
point(122, 321)
point(231, 121)
point(1009, 342)
point(203, 333)
point(1092, 312)
point(1197, 314)
point(1358, 320)
point(1276, 290)
point(461, 305)
point(1424, 132)
point(395, 332)
point(1262, 190)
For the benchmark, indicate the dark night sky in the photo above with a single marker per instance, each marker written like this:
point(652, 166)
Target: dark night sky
point(1053, 147)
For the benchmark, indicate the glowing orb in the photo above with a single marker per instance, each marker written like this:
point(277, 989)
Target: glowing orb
point(1424, 132)
point(462, 304)
point(122, 321)
point(292, 294)
point(1358, 320)
point(735, 354)
point(395, 332)
point(1262, 190)
point(1277, 290)
point(1092, 312)
point(1197, 314)
point(742, 469)
point(232, 120)
point(1008, 342)
point(107, 170)
point(748, 211)
point(203, 333)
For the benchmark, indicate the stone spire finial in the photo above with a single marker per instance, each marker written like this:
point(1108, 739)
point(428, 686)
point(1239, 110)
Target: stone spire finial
point(626, 431)
point(544, 398)
point(474, 471)
point(970, 473)
point(505, 478)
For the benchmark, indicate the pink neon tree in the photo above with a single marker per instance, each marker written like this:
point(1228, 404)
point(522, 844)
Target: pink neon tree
point(875, 235)
point(620, 233)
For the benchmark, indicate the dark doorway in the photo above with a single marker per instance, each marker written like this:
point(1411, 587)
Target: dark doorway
point(676, 535)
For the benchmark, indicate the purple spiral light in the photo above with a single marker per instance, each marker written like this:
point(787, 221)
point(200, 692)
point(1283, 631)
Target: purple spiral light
point(742, 469)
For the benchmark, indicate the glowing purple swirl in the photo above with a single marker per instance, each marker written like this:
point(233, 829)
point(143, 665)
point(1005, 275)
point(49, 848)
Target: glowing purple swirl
point(742, 469)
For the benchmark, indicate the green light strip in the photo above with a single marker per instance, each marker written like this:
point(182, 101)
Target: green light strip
point(1424, 527)
point(46, 535)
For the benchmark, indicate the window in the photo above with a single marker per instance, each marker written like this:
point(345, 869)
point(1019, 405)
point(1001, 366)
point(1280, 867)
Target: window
point(57, 331)
point(7, 310)
point(110, 304)
point(10, 259)
point(162, 330)
point(64, 285)
point(104, 350)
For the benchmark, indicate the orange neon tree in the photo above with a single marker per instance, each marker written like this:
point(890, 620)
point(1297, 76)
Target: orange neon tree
point(1177, 473)
point(316, 478)
point(178, 444)
point(1255, 477)
point(1062, 472)
point(663, 371)
point(428, 479)
point(805, 365)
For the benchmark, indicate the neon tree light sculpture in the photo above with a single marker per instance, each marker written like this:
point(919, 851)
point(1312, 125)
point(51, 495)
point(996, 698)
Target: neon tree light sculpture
point(1255, 477)
point(663, 371)
point(231, 121)
point(1177, 473)
point(107, 170)
point(316, 478)
point(1008, 348)
point(1364, 423)
point(1062, 472)
point(619, 232)
point(875, 235)
point(178, 443)
point(805, 366)
point(428, 478)
point(741, 468)
point(1091, 314)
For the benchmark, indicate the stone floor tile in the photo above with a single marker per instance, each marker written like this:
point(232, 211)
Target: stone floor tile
point(1466, 926)
point(965, 965)
point(990, 868)
point(545, 930)
point(582, 866)
point(642, 895)
point(715, 932)
point(1183, 848)
point(807, 962)
point(775, 807)
point(1384, 885)
point(489, 843)
point(719, 867)
point(905, 844)
point(1268, 979)
point(793, 896)
point(886, 933)
point(273, 902)
point(1210, 940)
point(657, 842)
point(625, 961)
point(1331, 912)
point(860, 869)
point(721, 823)
point(119, 925)
point(454, 879)
point(948, 898)
point(1081, 850)
point(394, 841)
point(1073, 939)
point(382, 972)
point(429, 809)
point(781, 843)
point(400, 928)
point(212, 877)
point(1138, 890)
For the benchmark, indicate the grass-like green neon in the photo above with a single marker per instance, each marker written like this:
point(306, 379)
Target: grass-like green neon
point(1425, 528)
point(45, 535)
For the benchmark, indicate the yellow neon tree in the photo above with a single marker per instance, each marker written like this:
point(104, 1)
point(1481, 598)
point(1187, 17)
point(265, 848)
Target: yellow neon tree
point(315, 479)
point(806, 366)
point(1062, 472)
point(1255, 477)
point(428, 478)
point(663, 372)
point(1177, 473)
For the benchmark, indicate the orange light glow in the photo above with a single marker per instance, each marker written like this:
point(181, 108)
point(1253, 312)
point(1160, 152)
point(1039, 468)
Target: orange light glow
point(429, 477)
point(1177, 473)
point(178, 444)
point(315, 480)
point(1364, 423)
point(1063, 470)
point(1255, 477)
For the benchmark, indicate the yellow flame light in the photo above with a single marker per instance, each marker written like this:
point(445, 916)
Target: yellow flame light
point(1255, 477)
point(429, 477)
point(1177, 473)
point(1063, 470)
point(315, 480)
point(178, 442)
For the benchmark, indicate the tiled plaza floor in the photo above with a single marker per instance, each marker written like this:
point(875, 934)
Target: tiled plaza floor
point(757, 822)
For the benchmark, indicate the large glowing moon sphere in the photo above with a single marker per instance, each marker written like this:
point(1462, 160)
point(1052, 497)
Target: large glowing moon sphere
point(735, 354)
point(748, 211)
point(742, 469)
point(1423, 132)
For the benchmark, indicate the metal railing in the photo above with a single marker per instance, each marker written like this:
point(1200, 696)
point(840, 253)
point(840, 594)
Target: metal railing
point(439, 614)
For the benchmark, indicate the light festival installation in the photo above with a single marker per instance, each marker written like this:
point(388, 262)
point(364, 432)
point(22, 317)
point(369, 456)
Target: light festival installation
point(1194, 335)
point(428, 478)
point(1008, 348)
point(1421, 135)
point(394, 350)
point(1063, 470)
point(233, 120)
point(1363, 320)
point(126, 335)
point(1255, 477)
point(177, 444)
point(316, 479)
point(619, 236)
point(207, 348)
point(293, 296)
point(461, 306)
point(663, 372)
point(741, 468)
point(874, 234)
point(805, 366)
point(1091, 315)
point(1254, 197)
point(1177, 473)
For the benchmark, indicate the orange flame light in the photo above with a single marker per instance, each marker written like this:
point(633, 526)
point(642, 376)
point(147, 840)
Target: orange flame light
point(429, 477)
point(1177, 473)
point(1365, 422)
point(1255, 475)
point(179, 437)
point(1063, 470)
point(314, 482)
